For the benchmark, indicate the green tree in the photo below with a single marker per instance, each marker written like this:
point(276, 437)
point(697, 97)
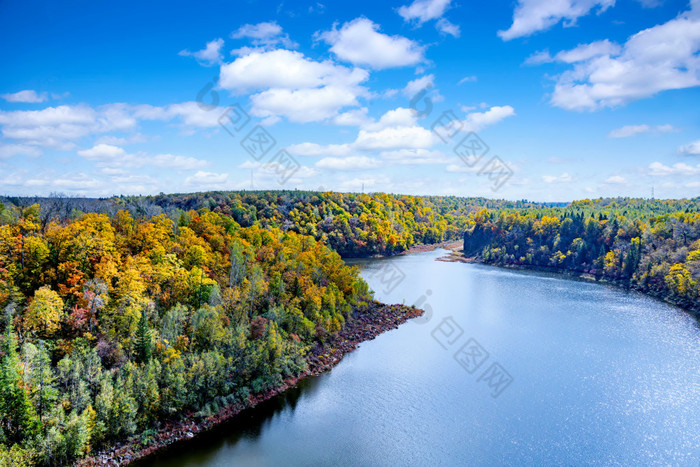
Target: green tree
point(17, 415)
point(143, 347)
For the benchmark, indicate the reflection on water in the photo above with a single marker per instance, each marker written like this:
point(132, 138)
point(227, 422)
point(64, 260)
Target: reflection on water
point(249, 424)
point(599, 375)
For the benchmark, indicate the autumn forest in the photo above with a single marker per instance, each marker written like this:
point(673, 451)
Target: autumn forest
point(119, 315)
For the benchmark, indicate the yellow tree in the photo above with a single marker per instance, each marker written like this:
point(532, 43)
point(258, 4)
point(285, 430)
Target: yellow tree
point(44, 312)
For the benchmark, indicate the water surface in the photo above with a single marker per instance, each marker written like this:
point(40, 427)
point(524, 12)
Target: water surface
point(597, 376)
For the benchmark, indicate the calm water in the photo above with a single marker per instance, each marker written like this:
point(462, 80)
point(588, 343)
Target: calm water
point(599, 376)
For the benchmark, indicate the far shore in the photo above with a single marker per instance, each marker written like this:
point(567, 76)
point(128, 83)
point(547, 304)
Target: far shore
point(456, 255)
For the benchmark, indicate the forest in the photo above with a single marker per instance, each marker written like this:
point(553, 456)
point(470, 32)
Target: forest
point(653, 247)
point(111, 324)
point(118, 314)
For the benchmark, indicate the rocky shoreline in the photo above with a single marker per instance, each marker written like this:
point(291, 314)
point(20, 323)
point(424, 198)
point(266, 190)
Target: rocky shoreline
point(368, 322)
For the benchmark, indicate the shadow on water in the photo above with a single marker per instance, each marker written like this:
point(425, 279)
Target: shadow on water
point(248, 424)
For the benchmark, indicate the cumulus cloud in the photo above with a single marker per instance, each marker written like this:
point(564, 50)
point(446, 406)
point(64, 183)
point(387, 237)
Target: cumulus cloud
point(477, 121)
point(360, 43)
point(658, 169)
point(632, 130)
point(424, 10)
point(58, 127)
point(28, 96)
point(291, 85)
point(209, 56)
point(354, 117)
point(659, 58)
point(397, 138)
point(398, 117)
point(413, 137)
point(531, 16)
point(62, 126)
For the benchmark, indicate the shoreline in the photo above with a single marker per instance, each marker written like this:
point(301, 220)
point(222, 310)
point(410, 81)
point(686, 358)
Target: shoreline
point(457, 256)
point(372, 319)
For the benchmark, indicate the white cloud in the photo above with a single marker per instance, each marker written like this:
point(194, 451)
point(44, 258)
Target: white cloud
point(348, 163)
point(102, 152)
point(580, 53)
point(422, 11)
point(563, 178)
point(531, 16)
point(366, 182)
point(73, 182)
point(249, 165)
point(413, 137)
point(110, 139)
point(360, 43)
point(285, 69)
point(190, 113)
point(398, 137)
point(657, 59)
point(476, 121)
point(539, 57)
point(657, 169)
point(398, 117)
point(313, 149)
point(585, 52)
point(414, 157)
point(9, 150)
point(60, 127)
point(616, 180)
point(28, 96)
point(267, 34)
point(106, 155)
point(447, 28)
point(210, 55)
point(692, 149)
point(466, 79)
point(354, 117)
point(212, 179)
point(417, 85)
point(460, 167)
point(293, 86)
point(632, 130)
point(303, 105)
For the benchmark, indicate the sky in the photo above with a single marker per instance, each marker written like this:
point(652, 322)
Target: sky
point(526, 99)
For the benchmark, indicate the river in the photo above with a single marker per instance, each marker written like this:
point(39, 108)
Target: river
point(506, 368)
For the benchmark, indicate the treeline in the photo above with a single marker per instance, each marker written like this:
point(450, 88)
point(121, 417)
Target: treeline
point(353, 224)
point(111, 325)
point(628, 243)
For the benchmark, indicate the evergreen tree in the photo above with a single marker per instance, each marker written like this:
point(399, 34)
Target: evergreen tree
point(143, 347)
point(17, 416)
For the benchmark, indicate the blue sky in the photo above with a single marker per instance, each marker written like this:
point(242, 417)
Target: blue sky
point(573, 98)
